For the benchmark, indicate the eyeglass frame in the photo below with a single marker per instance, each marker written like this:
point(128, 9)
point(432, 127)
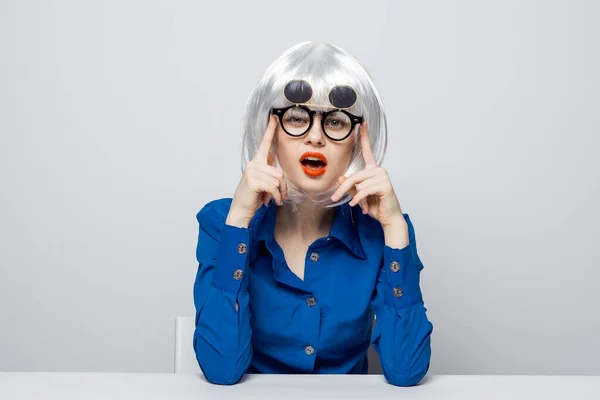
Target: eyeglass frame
point(354, 119)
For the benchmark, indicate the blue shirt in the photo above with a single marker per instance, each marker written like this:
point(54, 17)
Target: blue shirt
point(253, 314)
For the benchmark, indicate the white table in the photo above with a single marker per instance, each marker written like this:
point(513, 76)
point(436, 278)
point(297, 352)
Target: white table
point(90, 386)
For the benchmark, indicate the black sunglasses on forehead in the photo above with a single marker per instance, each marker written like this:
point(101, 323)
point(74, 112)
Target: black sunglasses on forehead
point(297, 119)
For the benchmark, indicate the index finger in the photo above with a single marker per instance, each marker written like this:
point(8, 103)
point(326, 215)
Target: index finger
point(365, 145)
point(267, 140)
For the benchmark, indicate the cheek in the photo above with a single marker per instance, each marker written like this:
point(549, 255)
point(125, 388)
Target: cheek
point(347, 155)
point(343, 159)
point(282, 149)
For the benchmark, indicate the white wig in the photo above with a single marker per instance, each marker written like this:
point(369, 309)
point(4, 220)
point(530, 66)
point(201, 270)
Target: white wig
point(323, 66)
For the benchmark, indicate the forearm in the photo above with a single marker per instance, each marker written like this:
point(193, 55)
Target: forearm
point(223, 334)
point(403, 341)
point(222, 339)
point(402, 333)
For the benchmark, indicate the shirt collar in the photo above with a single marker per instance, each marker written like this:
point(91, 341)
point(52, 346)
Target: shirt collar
point(343, 228)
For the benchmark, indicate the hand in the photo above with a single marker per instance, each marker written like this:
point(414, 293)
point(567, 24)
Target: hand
point(371, 187)
point(259, 183)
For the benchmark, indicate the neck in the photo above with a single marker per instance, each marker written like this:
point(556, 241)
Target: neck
point(305, 221)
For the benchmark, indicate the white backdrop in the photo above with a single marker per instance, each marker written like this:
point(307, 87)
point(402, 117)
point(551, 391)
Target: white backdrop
point(120, 119)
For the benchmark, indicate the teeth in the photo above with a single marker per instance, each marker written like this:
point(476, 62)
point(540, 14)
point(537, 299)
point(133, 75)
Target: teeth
point(313, 159)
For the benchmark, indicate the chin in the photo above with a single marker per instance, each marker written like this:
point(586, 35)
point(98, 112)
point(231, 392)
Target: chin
point(314, 185)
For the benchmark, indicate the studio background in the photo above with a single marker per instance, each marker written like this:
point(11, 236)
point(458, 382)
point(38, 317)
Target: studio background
point(119, 120)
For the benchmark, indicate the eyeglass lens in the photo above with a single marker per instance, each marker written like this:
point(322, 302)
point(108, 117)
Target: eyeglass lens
point(296, 121)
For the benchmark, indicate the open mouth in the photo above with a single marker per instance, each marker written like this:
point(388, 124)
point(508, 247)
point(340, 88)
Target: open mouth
point(313, 164)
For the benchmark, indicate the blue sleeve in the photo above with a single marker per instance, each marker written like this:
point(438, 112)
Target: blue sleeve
point(402, 331)
point(222, 337)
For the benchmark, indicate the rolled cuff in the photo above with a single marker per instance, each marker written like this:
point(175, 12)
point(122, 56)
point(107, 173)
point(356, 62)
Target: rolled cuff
point(232, 258)
point(401, 277)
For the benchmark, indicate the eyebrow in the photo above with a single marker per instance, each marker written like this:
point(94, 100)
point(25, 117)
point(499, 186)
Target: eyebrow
point(320, 108)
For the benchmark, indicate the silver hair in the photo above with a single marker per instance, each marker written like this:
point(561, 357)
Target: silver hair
point(324, 66)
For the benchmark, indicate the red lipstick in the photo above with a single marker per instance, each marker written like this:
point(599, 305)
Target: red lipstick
point(313, 163)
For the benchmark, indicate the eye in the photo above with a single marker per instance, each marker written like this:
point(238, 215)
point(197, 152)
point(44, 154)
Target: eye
point(296, 117)
point(336, 122)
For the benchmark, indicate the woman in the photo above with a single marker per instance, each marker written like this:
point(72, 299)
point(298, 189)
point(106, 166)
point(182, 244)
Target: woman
point(291, 272)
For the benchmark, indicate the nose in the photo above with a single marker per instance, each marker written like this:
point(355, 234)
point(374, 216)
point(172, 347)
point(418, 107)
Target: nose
point(315, 135)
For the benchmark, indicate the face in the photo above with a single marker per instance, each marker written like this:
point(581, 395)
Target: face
point(313, 162)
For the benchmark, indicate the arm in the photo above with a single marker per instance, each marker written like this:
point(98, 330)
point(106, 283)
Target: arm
point(402, 331)
point(222, 335)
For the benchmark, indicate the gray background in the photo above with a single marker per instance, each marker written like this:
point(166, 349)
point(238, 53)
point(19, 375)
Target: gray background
point(119, 120)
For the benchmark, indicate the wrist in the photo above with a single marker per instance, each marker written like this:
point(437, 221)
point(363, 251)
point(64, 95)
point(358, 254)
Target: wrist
point(237, 218)
point(396, 234)
point(395, 223)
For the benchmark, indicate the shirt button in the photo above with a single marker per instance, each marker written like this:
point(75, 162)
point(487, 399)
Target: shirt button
point(395, 266)
point(242, 248)
point(314, 257)
point(397, 292)
point(238, 274)
point(309, 350)
point(311, 301)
